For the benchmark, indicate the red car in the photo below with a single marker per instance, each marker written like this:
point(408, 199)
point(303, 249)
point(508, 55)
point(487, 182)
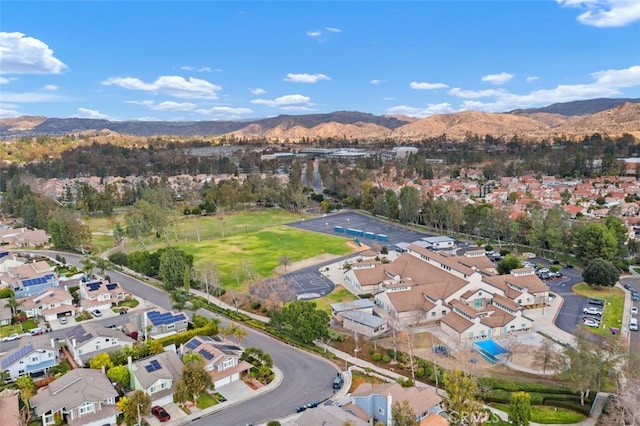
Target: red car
point(160, 413)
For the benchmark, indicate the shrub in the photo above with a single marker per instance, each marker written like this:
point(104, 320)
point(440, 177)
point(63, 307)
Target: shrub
point(119, 258)
point(377, 357)
point(255, 305)
point(5, 293)
point(421, 372)
point(488, 247)
point(386, 359)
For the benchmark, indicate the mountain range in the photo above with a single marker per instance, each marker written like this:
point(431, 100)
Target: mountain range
point(574, 120)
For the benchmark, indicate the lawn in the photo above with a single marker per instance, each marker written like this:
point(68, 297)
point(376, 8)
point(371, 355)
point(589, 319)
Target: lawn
point(338, 295)
point(261, 250)
point(548, 415)
point(129, 303)
point(358, 378)
point(205, 400)
point(614, 305)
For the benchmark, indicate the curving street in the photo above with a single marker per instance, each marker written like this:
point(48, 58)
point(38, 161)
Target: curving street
point(307, 378)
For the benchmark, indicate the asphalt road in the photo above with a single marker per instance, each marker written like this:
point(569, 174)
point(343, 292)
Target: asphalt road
point(307, 378)
point(634, 340)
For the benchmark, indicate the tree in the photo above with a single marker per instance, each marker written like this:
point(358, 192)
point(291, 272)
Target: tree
point(195, 378)
point(520, 409)
point(581, 370)
point(235, 331)
point(409, 204)
point(509, 262)
point(27, 391)
point(173, 263)
point(120, 375)
point(257, 357)
point(101, 360)
point(284, 261)
point(13, 304)
point(179, 299)
point(302, 321)
point(402, 414)
point(461, 399)
point(594, 240)
point(135, 407)
point(66, 231)
point(208, 273)
point(600, 272)
point(546, 356)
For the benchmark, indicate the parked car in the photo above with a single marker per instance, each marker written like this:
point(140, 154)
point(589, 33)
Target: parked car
point(36, 331)
point(122, 312)
point(338, 381)
point(14, 336)
point(96, 313)
point(634, 311)
point(63, 320)
point(160, 413)
point(301, 408)
point(591, 323)
point(635, 297)
point(629, 287)
point(592, 310)
point(596, 302)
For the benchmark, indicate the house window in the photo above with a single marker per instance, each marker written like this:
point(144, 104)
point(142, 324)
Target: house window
point(433, 313)
point(48, 419)
point(381, 411)
point(470, 334)
point(87, 407)
point(164, 385)
point(444, 312)
point(34, 358)
point(522, 325)
point(152, 389)
point(228, 363)
point(98, 346)
point(171, 326)
point(519, 301)
point(477, 303)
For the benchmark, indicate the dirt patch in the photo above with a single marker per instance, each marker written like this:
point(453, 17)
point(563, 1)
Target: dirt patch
point(306, 263)
point(253, 384)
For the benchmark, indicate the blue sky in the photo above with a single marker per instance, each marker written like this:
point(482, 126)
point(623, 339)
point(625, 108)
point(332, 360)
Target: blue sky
point(221, 60)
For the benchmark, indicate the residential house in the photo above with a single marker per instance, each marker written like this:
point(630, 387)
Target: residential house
point(10, 407)
point(434, 419)
point(100, 295)
point(30, 278)
point(327, 415)
point(439, 242)
point(377, 399)
point(34, 355)
point(82, 397)
point(156, 375)
point(52, 303)
point(221, 357)
point(24, 237)
point(158, 324)
point(87, 340)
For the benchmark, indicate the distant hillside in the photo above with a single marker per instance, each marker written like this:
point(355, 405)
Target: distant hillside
point(590, 106)
point(571, 119)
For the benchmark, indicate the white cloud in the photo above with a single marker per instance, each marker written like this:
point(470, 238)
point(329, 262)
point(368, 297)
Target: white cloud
point(50, 87)
point(20, 54)
point(532, 78)
point(315, 33)
point(190, 68)
point(258, 91)
point(473, 94)
point(179, 87)
point(225, 112)
point(306, 78)
point(605, 13)
point(427, 86)
point(607, 84)
point(28, 97)
point(323, 35)
point(91, 113)
point(9, 110)
point(4, 80)
point(173, 106)
point(333, 29)
point(497, 79)
point(376, 82)
point(287, 102)
point(430, 109)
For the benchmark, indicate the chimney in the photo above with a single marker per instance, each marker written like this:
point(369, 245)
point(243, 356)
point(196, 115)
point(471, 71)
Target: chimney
point(73, 342)
point(389, 413)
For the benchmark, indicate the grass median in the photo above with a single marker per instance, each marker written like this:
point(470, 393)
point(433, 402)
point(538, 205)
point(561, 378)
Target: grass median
point(613, 305)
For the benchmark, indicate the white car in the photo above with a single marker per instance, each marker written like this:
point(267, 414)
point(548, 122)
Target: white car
point(592, 310)
point(63, 320)
point(14, 336)
point(96, 313)
point(634, 311)
point(591, 323)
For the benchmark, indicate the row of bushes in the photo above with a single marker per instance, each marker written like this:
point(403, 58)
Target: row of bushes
point(177, 339)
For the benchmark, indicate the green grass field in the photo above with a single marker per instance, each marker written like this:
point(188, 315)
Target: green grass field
point(338, 295)
point(614, 305)
point(261, 250)
point(548, 415)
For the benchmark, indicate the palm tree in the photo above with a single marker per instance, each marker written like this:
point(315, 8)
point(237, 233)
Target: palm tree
point(234, 331)
point(13, 304)
point(178, 299)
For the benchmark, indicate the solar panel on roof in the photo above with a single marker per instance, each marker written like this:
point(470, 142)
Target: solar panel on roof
point(17, 355)
point(153, 365)
point(192, 344)
point(205, 354)
point(111, 286)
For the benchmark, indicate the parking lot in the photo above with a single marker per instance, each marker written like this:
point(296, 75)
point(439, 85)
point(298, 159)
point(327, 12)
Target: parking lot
point(307, 283)
point(349, 220)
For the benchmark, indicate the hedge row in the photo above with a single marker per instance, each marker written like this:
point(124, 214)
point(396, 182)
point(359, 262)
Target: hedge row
point(185, 336)
point(512, 386)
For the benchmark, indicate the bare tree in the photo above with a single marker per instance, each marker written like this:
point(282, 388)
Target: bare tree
point(546, 356)
point(208, 272)
point(249, 270)
point(511, 343)
point(407, 337)
point(284, 261)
